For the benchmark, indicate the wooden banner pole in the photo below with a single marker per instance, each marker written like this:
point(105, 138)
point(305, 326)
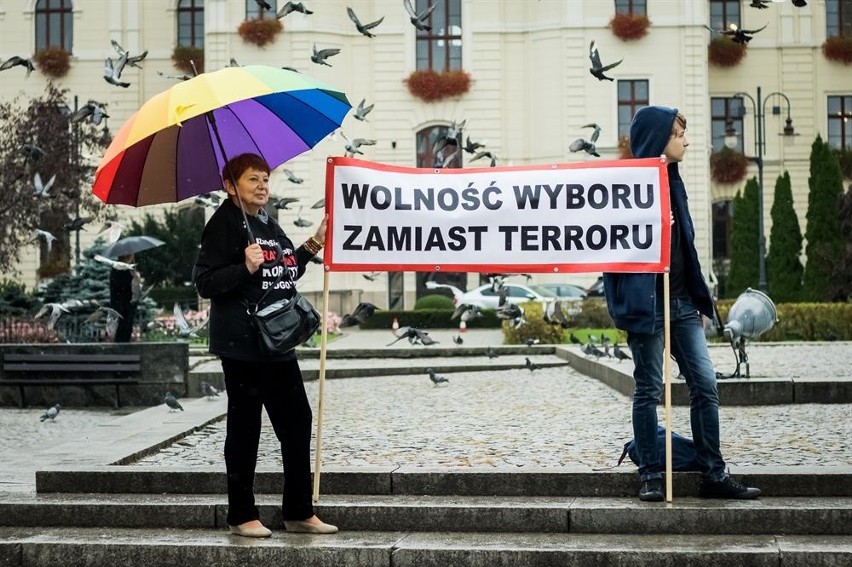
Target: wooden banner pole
point(667, 377)
point(321, 402)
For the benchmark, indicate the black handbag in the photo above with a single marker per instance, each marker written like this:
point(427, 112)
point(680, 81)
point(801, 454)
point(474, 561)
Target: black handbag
point(284, 324)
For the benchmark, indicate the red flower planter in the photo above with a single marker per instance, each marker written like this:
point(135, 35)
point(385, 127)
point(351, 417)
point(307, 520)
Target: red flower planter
point(838, 49)
point(260, 31)
point(728, 166)
point(431, 86)
point(628, 27)
point(722, 52)
point(53, 61)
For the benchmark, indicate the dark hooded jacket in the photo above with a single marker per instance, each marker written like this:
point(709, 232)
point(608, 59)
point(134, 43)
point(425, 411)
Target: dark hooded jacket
point(632, 298)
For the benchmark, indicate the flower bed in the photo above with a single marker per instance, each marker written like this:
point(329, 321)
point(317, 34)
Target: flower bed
point(722, 52)
point(260, 31)
point(53, 61)
point(431, 86)
point(728, 166)
point(629, 27)
point(838, 49)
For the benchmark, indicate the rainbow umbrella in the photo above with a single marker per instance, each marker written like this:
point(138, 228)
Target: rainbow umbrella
point(175, 146)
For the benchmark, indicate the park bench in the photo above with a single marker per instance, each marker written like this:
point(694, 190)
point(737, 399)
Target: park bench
point(37, 369)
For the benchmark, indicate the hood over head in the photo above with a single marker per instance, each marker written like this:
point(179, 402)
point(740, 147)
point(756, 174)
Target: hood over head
point(650, 130)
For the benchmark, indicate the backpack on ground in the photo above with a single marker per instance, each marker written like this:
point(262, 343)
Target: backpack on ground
point(684, 456)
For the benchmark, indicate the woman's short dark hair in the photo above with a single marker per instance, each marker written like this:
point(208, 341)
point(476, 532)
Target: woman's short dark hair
point(236, 166)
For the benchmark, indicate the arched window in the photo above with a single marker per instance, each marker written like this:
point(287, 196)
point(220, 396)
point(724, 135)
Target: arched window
point(441, 48)
point(190, 23)
point(724, 13)
point(54, 24)
point(838, 18)
point(427, 138)
point(255, 10)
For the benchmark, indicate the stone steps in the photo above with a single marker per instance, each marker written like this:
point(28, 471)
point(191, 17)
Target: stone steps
point(22, 547)
point(484, 514)
point(417, 481)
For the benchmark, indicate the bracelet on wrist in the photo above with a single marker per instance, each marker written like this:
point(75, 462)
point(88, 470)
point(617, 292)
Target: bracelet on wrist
point(313, 245)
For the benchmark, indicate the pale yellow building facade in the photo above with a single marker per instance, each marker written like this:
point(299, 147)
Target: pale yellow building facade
point(530, 97)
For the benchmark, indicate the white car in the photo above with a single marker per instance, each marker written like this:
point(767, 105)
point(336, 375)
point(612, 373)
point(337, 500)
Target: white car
point(486, 297)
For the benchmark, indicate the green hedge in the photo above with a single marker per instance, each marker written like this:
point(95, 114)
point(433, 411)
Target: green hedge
point(165, 297)
point(434, 302)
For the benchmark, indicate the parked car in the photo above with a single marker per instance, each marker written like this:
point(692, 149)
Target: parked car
point(565, 291)
point(486, 297)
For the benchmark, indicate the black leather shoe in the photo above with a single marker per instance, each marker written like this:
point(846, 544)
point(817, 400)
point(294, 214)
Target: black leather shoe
point(651, 490)
point(726, 488)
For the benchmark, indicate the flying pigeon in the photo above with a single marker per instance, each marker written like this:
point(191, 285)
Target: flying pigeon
point(737, 34)
point(319, 56)
point(435, 378)
point(113, 70)
point(55, 309)
point(486, 154)
point(597, 69)
point(51, 413)
point(292, 177)
point(41, 188)
point(114, 264)
point(173, 404)
point(362, 111)
point(284, 202)
point(291, 7)
point(183, 327)
point(363, 28)
point(418, 19)
point(15, 61)
point(133, 60)
point(360, 314)
point(471, 147)
point(352, 147)
point(112, 317)
point(589, 147)
point(44, 235)
point(301, 222)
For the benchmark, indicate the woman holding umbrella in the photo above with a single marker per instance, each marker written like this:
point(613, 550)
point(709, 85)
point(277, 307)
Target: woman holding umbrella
point(233, 275)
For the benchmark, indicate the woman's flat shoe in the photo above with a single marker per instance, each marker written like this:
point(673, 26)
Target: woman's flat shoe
point(309, 528)
point(252, 531)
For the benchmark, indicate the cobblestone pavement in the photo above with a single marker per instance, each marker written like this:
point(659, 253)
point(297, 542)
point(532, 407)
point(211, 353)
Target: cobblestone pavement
point(550, 418)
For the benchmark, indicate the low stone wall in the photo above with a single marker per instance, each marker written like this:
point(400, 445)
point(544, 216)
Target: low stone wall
point(163, 366)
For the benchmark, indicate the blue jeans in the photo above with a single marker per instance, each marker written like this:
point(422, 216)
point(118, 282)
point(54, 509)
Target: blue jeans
point(689, 348)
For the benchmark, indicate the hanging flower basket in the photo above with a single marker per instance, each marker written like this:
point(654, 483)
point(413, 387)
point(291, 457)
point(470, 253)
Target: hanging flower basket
point(260, 31)
point(183, 55)
point(624, 148)
point(722, 52)
point(629, 27)
point(728, 166)
point(53, 61)
point(838, 49)
point(431, 86)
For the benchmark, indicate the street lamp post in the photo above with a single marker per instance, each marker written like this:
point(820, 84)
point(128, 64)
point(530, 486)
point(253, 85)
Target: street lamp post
point(759, 107)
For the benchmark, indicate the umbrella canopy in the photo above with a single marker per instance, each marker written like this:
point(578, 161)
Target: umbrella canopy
point(130, 245)
point(167, 151)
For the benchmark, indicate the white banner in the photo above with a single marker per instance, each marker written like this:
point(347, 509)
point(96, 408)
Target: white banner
point(581, 217)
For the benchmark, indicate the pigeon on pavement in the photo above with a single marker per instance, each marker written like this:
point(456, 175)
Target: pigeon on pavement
point(173, 404)
point(51, 413)
point(435, 378)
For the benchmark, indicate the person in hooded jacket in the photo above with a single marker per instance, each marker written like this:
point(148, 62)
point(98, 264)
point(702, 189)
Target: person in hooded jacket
point(635, 303)
point(229, 272)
